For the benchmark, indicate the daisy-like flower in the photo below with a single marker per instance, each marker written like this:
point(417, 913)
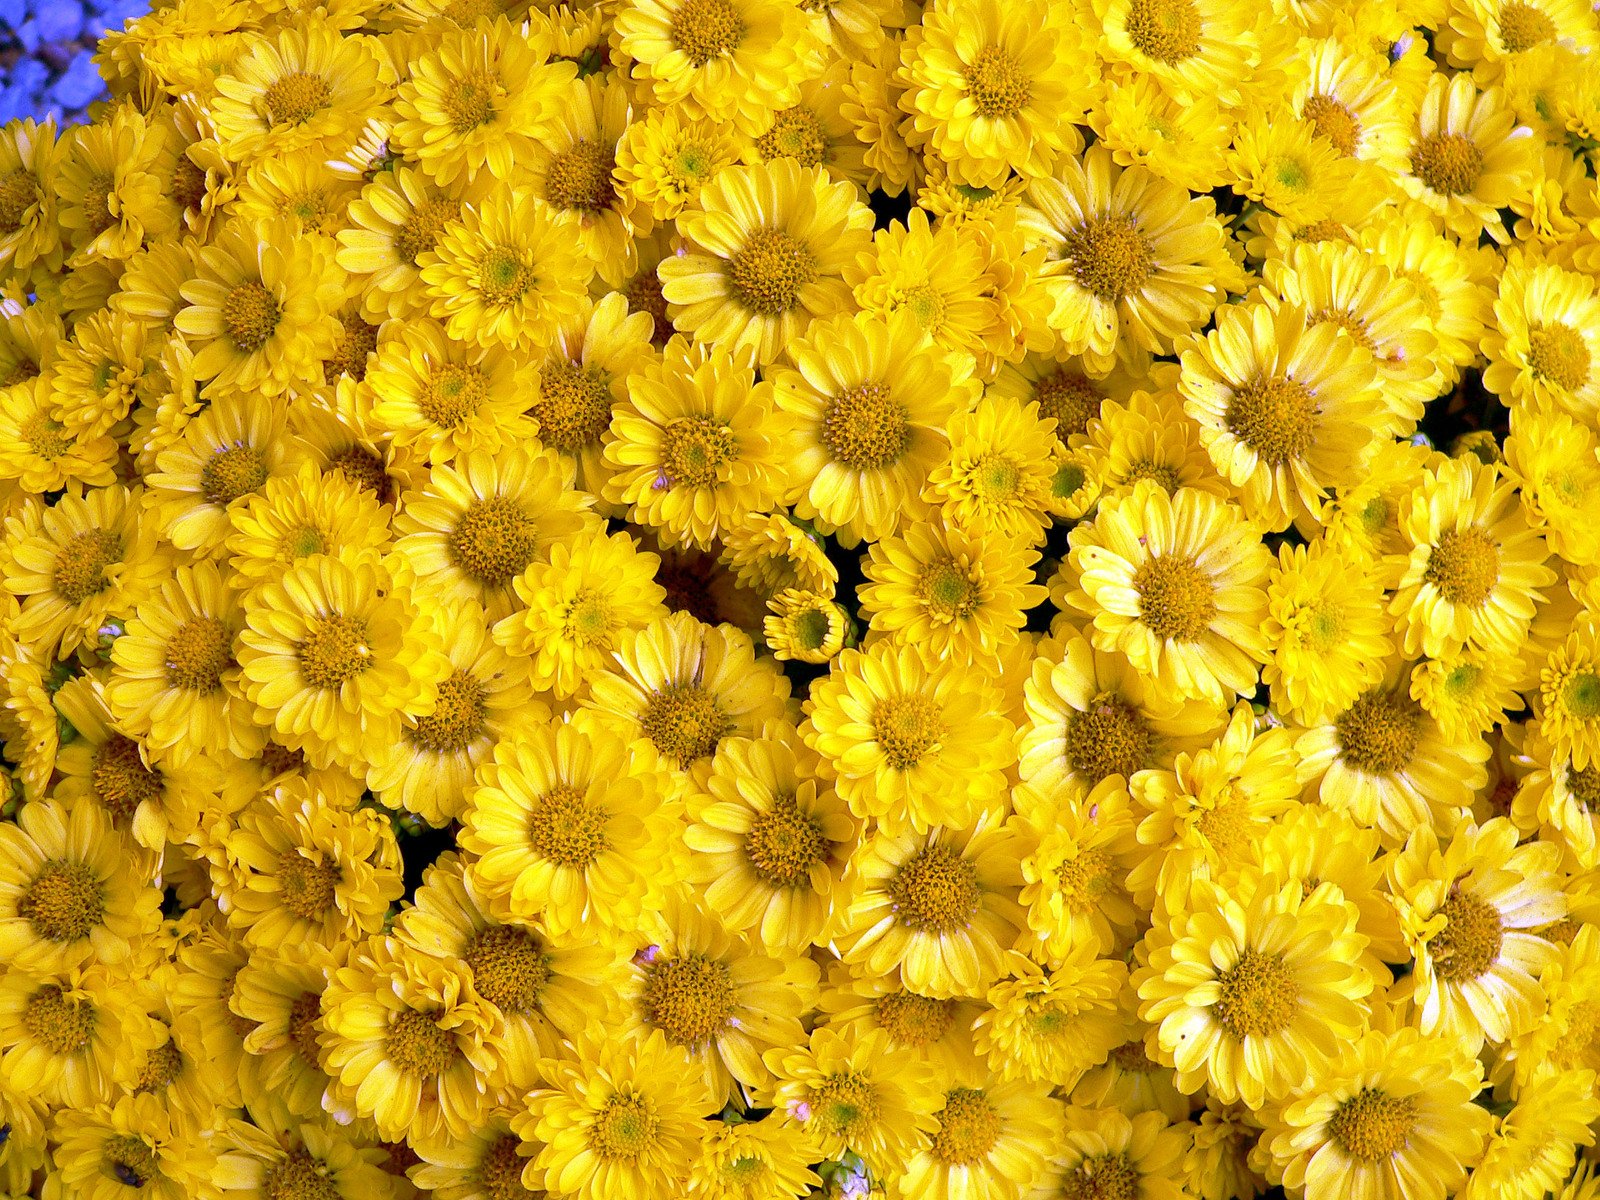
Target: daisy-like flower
point(1175, 583)
point(133, 1143)
point(1532, 1148)
point(771, 552)
point(1344, 95)
point(37, 450)
point(1149, 437)
point(573, 167)
point(663, 160)
point(254, 1160)
point(1569, 696)
point(1467, 157)
point(301, 189)
point(1075, 855)
point(765, 1158)
point(1144, 1153)
point(805, 626)
point(1133, 261)
point(1469, 909)
point(766, 251)
point(397, 218)
point(1542, 345)
point(30, 158)
point(1144, 124)
point(1286, 411)
point(108, 366)
point(275, 1001)
point(69, 1037)
point(1051, 1024)
point(111, 196)
point(1553, 462)
point(486, 1160)
point(1284, 166)
point(294, 516)
point(909, 742)
point(924, 1029)
point(1445, 275)
point(999, 471)
point(991, 1143)
point(476, 99)
point(1195, 47)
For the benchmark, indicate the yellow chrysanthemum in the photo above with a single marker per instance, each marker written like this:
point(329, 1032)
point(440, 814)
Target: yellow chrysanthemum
point(30, 158)
point(398, 218)
point(111, 196)
point(754, 1160)
point(805, 626)
point(1466, 156)
point(132, 1143)
point(1543, 346)
point(294, 516)
point(573, 168)
point(1051, 1024)
point(663, 160)
point(1196, 47)
point(1143, 1154)
point(999, 470)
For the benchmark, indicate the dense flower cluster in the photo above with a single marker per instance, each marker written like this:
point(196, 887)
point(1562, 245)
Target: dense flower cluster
point(744, 599)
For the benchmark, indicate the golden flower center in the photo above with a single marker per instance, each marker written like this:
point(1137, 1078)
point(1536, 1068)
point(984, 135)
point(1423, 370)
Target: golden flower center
point(574, 405)
point(334, 651)
point(452, 394)
point(296, 98)
point(1160, 473)
point(494, 541)
point(97, 215)
point(694, 451)
point(707, 29)
point(1333, 121)
point(503, 276)
point(458, 717)
point(418, 1045)
point(845, 1105)
point(1109, 1176)
point(232, 472)
point(580, 178)
point(500, 1170)
point(1373, 1125)
point(766, 274)
point(1069, 399)
point(162, 1066)
point(19, 192)
point(1257, 996)
point(197, 654)
point(1083, 880)
point(304, 1014)
point(120, 779)
point(588, 619)
point(421, 229)
point(57, 1021)
point(1108, 738)
point(1350, 323)
point(1522, 27)
point(1224, 822)
point(685, 722)
point(80, 566)
point(1584, 786)
point(624, 1129)
point(1165, 30)
point(1379, 733)
point(250, 315)
point(1449, 163)
point(64, 901)
point(566, 830)
point(1464, 565)
point(188, 185)
point(1580, 696)
point(935, 891)
point(1469, 943)
point(784, 844)
point(298, 1177)
point(1177, 600)
point(690, 999)
point(948, 589)
point(866, 428)
point(644, 296)
point(969, 1126)
point(357, 341)
point(907, 729)
point(1108, 257)
point(510, 968)
point(363, 468)
point(469, 100)
point(129, 1160)
point(1578, 1046)
point(45, 436)
point(308, 888)
point(796, 133)
point(1275, 417)
point(1559, 355)
point(913, 1020)
point(996, 83)
point(1131, 1056)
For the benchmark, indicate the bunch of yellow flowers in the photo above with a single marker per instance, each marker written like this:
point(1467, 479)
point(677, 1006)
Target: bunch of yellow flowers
point(755, 599)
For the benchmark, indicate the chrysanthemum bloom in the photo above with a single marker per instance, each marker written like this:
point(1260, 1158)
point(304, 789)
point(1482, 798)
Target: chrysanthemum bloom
point(992, 1143)
point(70, 893)
point(302, 189)
point(936, 277)
point(1285, 411)
point(922, 1029)
point(70, 1037)
point(1075, 854)
point(277, 1156)
point(24, 1150)
point(1133, 261)
point(573, 168)
point(616, 1116)
point(772, 552)
point(275, 1002)
point(107, 1149)
point(1446, 276)
point(767, 247)
point(1143, 1153)
point(849, 1094)
point(753, 1158)
point(397, 218)
point(38, 451)
point(1363, 516)
point(663, 160)
point(30, 159)
point(1469, 909)
point(1051, 1024)
point(109, 365)
point(1558, 800)
point(1197, 48)
point(476, 98)
point(404, 1038)
point(508, 273)
point(112, 198)
point(690, 452)
point(1474, 570)
point(568, 830)
point(726, 60)
point(805, 626)
point(1391, 1118)
point(941, 905)
point(1344, 94)
point(1569, 696)
point(999, 471)
point(1467, 157)
point(1532, 1148)
point(1149, 437)
point(1289, 170)
point(487, 1159)
point(1543, 344)
point(297, 514)
point(768, 845)
point(1552, 460)
point(909, 743)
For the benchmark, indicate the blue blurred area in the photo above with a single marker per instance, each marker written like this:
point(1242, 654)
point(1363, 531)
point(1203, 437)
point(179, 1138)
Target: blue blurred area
point(46, 54)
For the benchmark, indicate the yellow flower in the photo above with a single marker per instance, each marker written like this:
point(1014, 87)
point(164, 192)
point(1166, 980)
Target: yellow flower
point(30, 159)
point(771, 552)
point(484, 1162)
point(295, 515)
point(302, 189)
point(992, 1143)
point(1195, 47)
point(70, 1037)
point(275, 1000)
point(108, 366)
point(111, 197)
point(1552, 461)
point(279, 1155)
point(398, 218)
point(805, 627)
point(923, 1029)
point(1184, 141)
point(1144, 1154)
point(1342, 92)
point(1050, 1024)
point(999, 471)
point(663, 160)
point(1284, 166)
point(1467, 157)
point(1532, 1148)
point(753, 1160)
point(1543, 346)
point(1074, 854)
point(573, 167)
point(133, 1143)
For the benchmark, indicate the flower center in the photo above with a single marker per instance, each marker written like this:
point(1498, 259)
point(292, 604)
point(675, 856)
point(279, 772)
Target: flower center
point(457, 719)
point(844, 1105)
point(1103, 1177)
point(996, 83)
point(365, 469)
point(1522, 26)
point(768, 271)
point(907, 729)
point(1131, 1056)
point(97, 204)
point(935, 891)
point(298, 1177)
point(56, 1020)
point(866, 429)
point(1161, 473)
point(624, 1129)
point(250, 315)
point(566, 830)
point(1449, 163)
point(334, 652)
point(161, 1067)
point(809, 628)
point(1176, 598)
point(969, 1126)
point(469, 101)
point(694, 451)
point(1223, 822)
point(1333, 121)
point(1274, 417)
point(784, 844)
point(1464, 565)
point(707, 29)
point(589, 619)
point(913, 1020)
point(421, 230)
point(416, 1044)
point(308, 888)
point(81, 564)
point(1585, 787)
point(1373, 1125)
point(1379, 733)
point(1109, 257)
point(1108, 738)
point(19, 192)
point(1083, 879)
point(503, 276)
point(1068, 398)
point(1469, 943)
point(690, 999)
point(948, 589)
point(452, 394)
point(64, 901)
point(574, 406)
point(304, 1014)
point(188, 184)
point(120, 780)
point(494, 541)
point(1069, 477)
point(796, 133)
point(580, 178)
point(1165, 30)
point(500, 1172)
point(1558, 354)
point(45, 436)
point(197, 654)
point(296, 98)
point(685, 722)
point(129, 1160)
point(644, 295)
point(510, 968)
point(357, 341)
point(231, 473)
point(1258, 997)
point(1580, 696)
